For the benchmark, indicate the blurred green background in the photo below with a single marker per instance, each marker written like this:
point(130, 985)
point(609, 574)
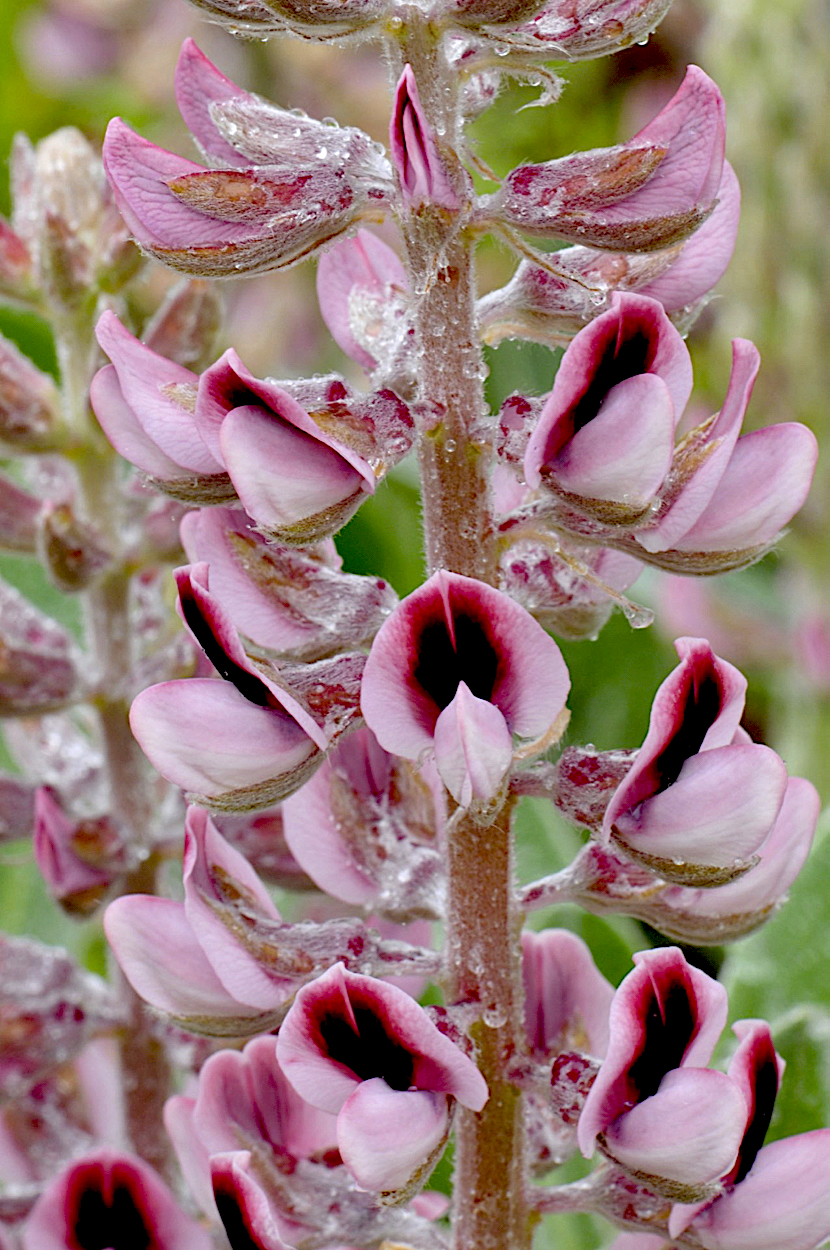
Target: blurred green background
point(78, 62)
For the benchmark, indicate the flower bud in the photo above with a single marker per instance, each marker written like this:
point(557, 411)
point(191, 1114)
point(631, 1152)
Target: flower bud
point(69, 549)
point(28, 402)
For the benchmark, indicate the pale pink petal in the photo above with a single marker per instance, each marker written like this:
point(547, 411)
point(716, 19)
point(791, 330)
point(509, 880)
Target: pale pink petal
point(199, 84)
point(385, 1135)
point(722, 436)
point(783, 1204)
point(567, 999)
point(207, 738)
point(313, 837)
point(160, 957)
point(473, 747)
point(282, 475)
point(766, 481)
point(689, 1131)
point(148, 384)
point(244, 1207)
point(123, 429)
point(192, 1154)
point(412, 146)
point(703, 258)
point(360, 284)
point(782, 857)
point(625, 451)
point(719, 810)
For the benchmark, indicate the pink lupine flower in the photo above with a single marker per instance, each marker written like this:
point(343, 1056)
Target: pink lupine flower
point(245, 1103)
point(365, 829)
point(107, 1198)
point(366, 1052)
point(604, 448)
point(774, 1198)
point(701, 797)
point(276, 199)
point(735, 494)
point(421, 171)
point(540, 305)
point(227, 433)
point(181, 958)
point(654, 1108)
point(78, 859)
point(275, 741)
point(646, 194)
point(289, 600)
point(567, 999)
point(606, 432)
point(456, 670)
point(362, 292)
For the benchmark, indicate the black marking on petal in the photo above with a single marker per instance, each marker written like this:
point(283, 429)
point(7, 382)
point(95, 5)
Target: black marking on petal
point(248, 685)
point(100, 1224)
point(441, 666)
point(669, 1025)
point(369, 1052)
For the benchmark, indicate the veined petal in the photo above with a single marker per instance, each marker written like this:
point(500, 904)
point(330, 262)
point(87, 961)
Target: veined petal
point(215, 877)
point(176, 725)
point(689, 1131)
point(123, 429)
point(719, 810)
point(473, 747)
point(766, 481)
point(161, 958)
point(718, 443)
point(703, 258)
point(159, 393)
point(199, 85)
point(783, 1204)
point(387, 1135)
point(313, 837)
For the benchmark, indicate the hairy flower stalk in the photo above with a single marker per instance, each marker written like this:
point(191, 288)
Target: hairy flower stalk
point(484, 965)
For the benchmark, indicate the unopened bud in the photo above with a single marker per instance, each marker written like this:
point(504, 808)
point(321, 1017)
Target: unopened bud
point(15, 264)
point(37, 670)
point(28, 402)
point(69, 549)
point(185, 327)
point(19, 513)
point(65, 215)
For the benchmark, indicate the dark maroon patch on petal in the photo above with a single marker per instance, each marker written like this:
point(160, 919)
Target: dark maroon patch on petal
point(105, 1213)
point(233, 1218)
point(669, 1024)
point(765, 1091)
point(369, 1052)
point(702, 705)
point(622, 358)
point(442, 666)
point(248, 685)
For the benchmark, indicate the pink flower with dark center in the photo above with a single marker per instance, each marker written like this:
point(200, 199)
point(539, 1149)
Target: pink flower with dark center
point(366, 1052)
point(606, 432)
point(458, 669)
point(109, 1199)
point(654, 1108)
point(276, 742)
point(701, 797)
